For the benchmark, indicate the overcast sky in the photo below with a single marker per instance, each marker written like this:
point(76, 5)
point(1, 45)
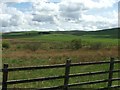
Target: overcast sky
point(44, 15)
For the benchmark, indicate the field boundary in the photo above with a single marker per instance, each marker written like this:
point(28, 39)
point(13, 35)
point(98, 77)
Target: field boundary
point(66, 75)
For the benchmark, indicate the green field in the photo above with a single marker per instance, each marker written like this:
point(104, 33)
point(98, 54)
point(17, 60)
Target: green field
point(104, 36)
point(35, 48)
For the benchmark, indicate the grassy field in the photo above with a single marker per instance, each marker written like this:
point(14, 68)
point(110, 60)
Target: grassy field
point(34, 49)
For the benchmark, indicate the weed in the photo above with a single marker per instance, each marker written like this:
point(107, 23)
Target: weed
point(33, 47)
point(96, 46)
point(76, 44)
point(5, 45)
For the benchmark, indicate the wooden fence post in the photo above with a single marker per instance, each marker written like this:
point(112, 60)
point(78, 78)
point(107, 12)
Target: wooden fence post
point(67, 71)
point(5, 77)
point(110, 72)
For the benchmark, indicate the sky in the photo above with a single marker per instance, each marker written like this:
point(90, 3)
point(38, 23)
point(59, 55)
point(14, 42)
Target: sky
point(58, 15)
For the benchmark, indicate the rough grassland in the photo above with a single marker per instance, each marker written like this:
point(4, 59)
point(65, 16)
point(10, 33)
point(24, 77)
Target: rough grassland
point(54, 49)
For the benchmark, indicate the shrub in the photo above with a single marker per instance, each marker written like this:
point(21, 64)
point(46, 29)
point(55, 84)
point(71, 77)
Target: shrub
point(5, 45)
point(96, 46)
point(32, 46)
point(76, 44)
point(18, 46)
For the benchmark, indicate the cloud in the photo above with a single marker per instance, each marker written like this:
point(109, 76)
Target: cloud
point(95, 3)
point(17, 1)
point(65, 15)
point(71, 10)
point(20, 1)
point(12, 19)
point(44, 12)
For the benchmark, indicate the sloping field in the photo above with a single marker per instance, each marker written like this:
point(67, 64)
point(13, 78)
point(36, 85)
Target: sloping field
point(36, 48)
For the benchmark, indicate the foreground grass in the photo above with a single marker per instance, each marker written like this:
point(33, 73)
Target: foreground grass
point(20, 58)
point(43, 57)
point(57, 72)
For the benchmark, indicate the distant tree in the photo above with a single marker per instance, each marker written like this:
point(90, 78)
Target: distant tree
point(43, 32)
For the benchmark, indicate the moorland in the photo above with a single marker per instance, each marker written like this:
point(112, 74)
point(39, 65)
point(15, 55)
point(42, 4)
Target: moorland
point(35, 48)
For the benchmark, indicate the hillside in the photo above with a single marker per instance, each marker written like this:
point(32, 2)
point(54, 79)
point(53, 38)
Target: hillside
point(107, 33)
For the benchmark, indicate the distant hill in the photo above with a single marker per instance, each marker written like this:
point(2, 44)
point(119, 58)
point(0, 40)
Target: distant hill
point(106, 33)
point(110, 33)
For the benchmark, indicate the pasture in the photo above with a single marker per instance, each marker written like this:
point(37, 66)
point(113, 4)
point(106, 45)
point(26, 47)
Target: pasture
point(34, 49)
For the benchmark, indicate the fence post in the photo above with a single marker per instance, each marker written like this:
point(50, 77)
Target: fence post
point(110, 72)
point(5, 77)
point(67, 71)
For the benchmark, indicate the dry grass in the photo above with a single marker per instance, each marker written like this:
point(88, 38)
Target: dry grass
point(23, 57)
point(81, 54)
point(15, 56)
